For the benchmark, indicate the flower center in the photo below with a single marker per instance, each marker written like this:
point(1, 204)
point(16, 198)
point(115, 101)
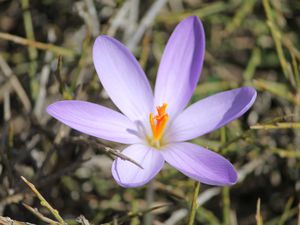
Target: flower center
point(158, 123)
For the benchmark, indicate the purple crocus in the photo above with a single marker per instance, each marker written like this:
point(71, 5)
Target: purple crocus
point(157, 126)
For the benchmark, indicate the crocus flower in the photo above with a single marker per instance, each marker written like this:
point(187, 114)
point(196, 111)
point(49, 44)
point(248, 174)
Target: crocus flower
point(157, 126)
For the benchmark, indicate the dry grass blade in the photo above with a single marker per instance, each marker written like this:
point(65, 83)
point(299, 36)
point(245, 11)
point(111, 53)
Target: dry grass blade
point(147, 20)
point(9, 221)
point(58, 75)
point(207, 10)
point(82, 220)
point(15, 83)
point(258, 216)
point(39, 45)
point(283, 125)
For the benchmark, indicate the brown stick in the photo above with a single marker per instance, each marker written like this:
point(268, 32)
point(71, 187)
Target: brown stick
point(39, 45)
point(9, 221)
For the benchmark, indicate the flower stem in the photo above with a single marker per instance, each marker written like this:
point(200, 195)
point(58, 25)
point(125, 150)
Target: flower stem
point(148, 218)
point(194, 205)
point(226, 205)
point(225, 190)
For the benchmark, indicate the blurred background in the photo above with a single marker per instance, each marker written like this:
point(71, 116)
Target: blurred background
point(45, 56)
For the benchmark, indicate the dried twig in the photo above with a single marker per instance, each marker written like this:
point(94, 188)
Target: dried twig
point(86, 10)
point(282, 125)
point(118, 20)
point(40, 215)
point(15, 83)
point(44, 202)
point(95, 23)
point(39, 45)
point(145, 23)
point(118, 153)
point(111, 151)
point(258, 216)
point(81, 219)
point(9, 221)
point(44, 77)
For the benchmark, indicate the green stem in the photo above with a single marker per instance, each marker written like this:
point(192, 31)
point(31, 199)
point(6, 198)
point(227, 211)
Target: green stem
point(226, 205)
point(44, 202)
point(148, 218)
point(194, 205)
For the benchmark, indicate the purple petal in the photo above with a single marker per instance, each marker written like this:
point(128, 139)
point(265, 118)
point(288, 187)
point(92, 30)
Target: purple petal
point(122, 78)
point(200, 164)
point(210, 113)
point(95, 120)
point(128, 174)
point(180, 65)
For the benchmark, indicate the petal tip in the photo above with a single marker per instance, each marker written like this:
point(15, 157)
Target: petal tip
point(228, 178)
point(193, 19)
point(232, 176)
point(100, 40)
point(252, 93)
point(57, 106)
point(50, 108)
point(195, 23)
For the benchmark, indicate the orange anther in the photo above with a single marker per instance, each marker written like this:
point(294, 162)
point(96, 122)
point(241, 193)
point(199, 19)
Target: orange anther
point(159, 122)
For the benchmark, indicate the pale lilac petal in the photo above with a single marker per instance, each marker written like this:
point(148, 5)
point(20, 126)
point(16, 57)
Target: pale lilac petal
point(95, 120)
point(210, 113)
point(128, 174)
point(122, 78)
point(200, 164)
point(181, 65)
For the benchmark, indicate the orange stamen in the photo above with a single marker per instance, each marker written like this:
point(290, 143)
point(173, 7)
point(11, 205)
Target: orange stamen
point(159, 122)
